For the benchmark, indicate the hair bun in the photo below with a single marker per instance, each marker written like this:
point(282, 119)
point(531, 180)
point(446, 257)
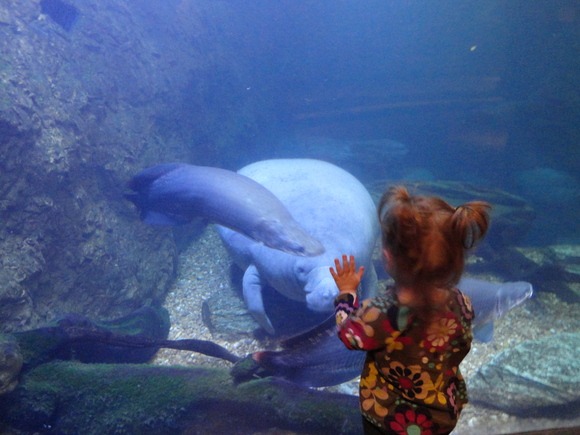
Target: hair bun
point(471, 221)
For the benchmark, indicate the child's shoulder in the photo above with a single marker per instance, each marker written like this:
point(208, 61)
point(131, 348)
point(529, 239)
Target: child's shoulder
point(384, 300)
point(462, 302)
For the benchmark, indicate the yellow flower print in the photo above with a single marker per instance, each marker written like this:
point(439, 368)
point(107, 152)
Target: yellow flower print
point(341, 317)
point(438, 333)
point(370, 380)
point(437, 392)
point(392, 343)
point(372, 395)
point(369, 400)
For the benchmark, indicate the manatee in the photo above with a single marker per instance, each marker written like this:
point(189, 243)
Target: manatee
point(333, 207)
point(176, 193)
point(491, 300)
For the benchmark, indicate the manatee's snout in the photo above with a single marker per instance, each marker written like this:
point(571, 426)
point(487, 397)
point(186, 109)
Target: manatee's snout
point(321, 292)
point(512, 294)
point(517, 292)
point(529, 290)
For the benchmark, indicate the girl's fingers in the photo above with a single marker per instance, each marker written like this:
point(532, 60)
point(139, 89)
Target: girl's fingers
point(337, 265)
point(348, 265)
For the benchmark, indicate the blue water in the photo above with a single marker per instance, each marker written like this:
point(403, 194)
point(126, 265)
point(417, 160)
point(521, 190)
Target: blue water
point(480, 92)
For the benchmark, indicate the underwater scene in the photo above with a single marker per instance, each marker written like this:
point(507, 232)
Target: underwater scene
point(177, 178)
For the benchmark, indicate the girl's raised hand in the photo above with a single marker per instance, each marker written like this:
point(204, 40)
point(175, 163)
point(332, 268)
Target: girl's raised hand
point(347, 278)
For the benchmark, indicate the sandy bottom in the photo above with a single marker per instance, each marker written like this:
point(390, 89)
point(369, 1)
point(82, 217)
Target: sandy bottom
point(205, 271)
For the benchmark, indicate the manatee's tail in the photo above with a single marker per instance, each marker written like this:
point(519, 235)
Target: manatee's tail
point(141, 186)
point(143, 180)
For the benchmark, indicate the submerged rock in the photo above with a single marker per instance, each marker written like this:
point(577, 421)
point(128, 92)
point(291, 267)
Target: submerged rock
point(79, 338)
point(10, 363)
point(549, 186)
point(102, 398)
point(555, 268)
point(537, 378)
point(81, 109)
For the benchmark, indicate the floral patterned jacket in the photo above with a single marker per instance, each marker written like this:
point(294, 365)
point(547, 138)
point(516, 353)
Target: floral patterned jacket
point(411, 373)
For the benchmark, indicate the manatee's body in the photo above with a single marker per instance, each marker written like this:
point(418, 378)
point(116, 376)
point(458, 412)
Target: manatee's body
point(333, 207)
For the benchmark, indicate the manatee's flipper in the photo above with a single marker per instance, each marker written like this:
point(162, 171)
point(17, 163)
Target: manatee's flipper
point(252, 289)
point(176, 193)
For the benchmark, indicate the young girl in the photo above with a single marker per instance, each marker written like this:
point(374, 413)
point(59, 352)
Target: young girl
point(417, 333)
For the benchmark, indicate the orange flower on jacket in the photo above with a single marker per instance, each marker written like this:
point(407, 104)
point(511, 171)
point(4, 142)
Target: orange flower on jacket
point(396, 342)
point(368, 317)
point(439, 333)
point(437, 392)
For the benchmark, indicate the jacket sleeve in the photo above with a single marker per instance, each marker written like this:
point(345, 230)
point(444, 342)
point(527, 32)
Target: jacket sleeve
point(360, 328)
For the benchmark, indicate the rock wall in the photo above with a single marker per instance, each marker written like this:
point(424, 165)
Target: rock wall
point(87, 100)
